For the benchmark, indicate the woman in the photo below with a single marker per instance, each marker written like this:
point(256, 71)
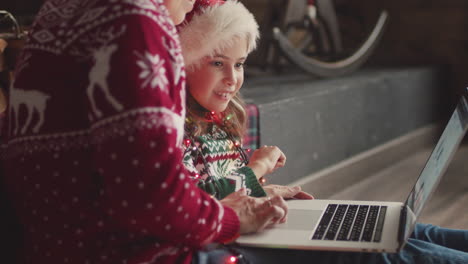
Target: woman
point(99, 183)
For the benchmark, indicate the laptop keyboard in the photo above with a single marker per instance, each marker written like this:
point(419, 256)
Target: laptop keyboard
point(350, 222)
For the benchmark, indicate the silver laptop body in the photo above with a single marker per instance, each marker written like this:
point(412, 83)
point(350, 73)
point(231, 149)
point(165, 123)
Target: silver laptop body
point(368, 226)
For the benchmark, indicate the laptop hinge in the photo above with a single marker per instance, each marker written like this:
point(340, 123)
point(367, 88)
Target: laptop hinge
point(402, 226)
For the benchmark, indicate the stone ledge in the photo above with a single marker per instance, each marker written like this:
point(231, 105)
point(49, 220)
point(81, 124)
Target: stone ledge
point(333, 179)
point(318, 123)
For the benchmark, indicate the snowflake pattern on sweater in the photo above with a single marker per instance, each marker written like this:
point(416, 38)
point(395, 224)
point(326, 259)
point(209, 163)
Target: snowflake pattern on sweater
point(92, 151)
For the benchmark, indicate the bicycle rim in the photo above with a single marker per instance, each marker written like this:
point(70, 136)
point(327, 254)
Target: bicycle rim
point(332, 68)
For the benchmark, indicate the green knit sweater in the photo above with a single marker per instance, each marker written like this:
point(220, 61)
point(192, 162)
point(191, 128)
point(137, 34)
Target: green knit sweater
point(224, 164)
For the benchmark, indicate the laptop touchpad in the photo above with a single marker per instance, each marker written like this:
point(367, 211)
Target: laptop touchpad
point(301, 219)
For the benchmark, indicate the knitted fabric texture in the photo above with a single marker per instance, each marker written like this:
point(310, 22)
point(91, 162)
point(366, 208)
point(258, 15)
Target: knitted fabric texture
point(92, 142)
point(225, 165)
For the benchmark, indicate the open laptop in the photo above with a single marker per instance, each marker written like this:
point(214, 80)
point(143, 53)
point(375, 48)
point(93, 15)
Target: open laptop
point(369, 226)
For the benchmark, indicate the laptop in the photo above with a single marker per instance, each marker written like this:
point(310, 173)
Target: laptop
point(368, 226)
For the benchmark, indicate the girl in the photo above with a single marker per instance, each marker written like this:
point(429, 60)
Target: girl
point(215, 43)
point(216, 118)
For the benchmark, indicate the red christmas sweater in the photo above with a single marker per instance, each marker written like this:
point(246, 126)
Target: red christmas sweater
point(92, 144)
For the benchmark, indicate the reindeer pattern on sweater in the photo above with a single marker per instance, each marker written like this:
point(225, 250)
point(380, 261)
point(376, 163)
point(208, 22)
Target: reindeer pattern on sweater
point(92, 150)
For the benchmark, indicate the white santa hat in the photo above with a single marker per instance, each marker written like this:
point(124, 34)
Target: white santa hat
point(214, 25)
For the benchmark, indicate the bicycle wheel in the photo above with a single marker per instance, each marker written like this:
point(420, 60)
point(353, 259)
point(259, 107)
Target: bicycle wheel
point(315, 44)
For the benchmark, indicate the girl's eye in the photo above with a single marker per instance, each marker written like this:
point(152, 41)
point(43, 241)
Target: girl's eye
point(217, 63)
point(239, 65)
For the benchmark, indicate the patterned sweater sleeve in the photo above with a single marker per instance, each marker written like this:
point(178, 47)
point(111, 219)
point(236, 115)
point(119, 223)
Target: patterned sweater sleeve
point(233, 181)
point(251, 181)
point(138, 139)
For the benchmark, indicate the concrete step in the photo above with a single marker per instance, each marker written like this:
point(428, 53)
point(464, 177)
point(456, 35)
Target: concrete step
point(360, 178)
point(448, 205)
point(318, 123)
point(341, 176)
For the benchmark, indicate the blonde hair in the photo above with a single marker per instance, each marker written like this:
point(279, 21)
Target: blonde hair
point(199, 123)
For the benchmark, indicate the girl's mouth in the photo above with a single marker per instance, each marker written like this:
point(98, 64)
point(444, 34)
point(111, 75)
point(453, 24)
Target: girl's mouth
point(223, 95)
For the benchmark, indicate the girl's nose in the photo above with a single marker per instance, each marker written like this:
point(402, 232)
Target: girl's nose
point(230, 77)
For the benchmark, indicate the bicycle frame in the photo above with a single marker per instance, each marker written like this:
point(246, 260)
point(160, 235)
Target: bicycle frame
point(299, 11)
point(319, 21)
point(16, 34)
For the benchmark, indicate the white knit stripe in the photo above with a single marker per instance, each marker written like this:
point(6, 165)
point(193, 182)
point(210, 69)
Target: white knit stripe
point(81, 138)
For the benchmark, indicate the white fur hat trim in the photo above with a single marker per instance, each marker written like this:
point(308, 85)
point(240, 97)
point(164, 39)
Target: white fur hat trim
point(214, 28)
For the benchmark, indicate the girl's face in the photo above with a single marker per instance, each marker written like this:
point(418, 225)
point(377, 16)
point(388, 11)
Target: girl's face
point(178, 9)
point(217, 79)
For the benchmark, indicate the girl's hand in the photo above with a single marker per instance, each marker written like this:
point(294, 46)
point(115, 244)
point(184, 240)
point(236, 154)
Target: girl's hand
point(256, 214)
point(287, 192)
point(266, 159)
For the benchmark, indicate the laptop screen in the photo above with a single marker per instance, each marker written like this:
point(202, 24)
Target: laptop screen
point(440, 158)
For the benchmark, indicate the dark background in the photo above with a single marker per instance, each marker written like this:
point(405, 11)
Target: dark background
point(21, 7)
point(420, 32)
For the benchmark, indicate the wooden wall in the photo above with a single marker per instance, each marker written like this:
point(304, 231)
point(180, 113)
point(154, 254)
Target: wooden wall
point(420, 32)
point(424, 32)
point(21, 7)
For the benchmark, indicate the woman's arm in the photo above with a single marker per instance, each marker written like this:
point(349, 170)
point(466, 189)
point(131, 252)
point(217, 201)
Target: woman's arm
point(138, 145)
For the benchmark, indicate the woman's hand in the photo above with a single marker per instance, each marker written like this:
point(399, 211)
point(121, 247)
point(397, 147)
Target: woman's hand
point(287, 192)
point(256, 214)
point(266, 159)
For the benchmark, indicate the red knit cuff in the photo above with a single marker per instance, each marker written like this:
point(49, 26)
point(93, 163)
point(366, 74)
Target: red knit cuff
point(230, 226)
